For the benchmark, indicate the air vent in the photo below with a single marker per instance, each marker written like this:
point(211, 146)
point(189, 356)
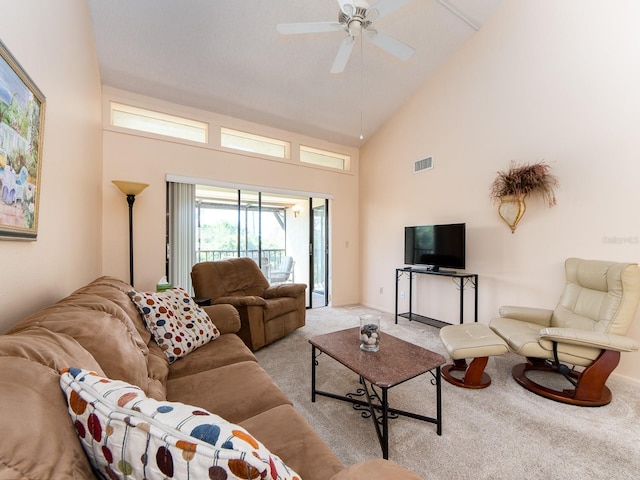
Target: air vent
point(424, 164)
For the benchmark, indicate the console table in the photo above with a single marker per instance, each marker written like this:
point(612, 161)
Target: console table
point(460, 279)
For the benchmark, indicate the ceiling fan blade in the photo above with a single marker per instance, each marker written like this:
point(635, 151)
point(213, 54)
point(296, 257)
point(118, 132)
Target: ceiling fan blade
point(344, 52)
point(385, 7)
point(312, 27)
point(347, 6)
point(389, 44)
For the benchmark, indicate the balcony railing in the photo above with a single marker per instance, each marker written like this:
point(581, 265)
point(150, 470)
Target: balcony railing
point(269, 256)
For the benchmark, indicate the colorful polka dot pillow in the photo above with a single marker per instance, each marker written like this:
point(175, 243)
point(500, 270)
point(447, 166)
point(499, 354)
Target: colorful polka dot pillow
point(177, 324)
point(127, 435)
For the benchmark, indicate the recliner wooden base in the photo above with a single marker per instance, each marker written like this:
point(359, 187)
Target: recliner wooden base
point(474, 377)
point(590, 390)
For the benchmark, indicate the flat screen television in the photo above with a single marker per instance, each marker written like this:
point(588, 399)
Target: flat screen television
point(435, 246)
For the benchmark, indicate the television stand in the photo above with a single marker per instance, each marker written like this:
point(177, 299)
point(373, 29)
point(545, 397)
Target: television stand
point(440, 270)
point(460, 279)
point(431, 269)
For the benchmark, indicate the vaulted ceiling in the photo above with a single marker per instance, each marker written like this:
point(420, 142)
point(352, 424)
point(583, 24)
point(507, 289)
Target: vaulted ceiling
point(226, 56)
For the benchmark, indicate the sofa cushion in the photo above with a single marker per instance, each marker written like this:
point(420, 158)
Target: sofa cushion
point(376, 469)
point(51, 349)
point(225, 317)
point(38, 439)
point(124, 432)
point(177, 324)
point(158, 370)
point(235, 392)
point(95, 317)
point(226, 350)
point(297, 444)
point(117, 291)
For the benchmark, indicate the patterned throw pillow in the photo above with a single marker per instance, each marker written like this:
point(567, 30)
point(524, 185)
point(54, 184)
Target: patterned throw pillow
point(177, 324)
point(127, 435)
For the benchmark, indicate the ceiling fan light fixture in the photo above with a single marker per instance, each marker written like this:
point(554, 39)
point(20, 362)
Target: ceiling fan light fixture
point(355, 27)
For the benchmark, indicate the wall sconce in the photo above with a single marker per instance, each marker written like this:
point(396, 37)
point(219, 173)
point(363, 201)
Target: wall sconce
point(130, 189)
point(296, 210)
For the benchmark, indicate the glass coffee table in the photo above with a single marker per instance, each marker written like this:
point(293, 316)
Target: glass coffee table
point(396, 362)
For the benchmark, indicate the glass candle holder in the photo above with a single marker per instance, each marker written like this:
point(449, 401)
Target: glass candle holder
point(370, 333)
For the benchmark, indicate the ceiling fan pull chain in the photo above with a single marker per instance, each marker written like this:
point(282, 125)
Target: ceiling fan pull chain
point(361, 90)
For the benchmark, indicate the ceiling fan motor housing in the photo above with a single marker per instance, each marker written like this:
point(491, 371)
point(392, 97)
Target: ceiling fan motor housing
point(355, 23)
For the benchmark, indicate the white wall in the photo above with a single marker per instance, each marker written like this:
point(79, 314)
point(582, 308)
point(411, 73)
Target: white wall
point(53, 41)
point(149, 159)
point(542, 80)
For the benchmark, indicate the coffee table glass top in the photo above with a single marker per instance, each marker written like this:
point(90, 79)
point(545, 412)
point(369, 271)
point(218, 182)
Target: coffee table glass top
point(397, 361)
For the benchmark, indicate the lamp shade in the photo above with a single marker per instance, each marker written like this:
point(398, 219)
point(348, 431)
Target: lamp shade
point(130, 188)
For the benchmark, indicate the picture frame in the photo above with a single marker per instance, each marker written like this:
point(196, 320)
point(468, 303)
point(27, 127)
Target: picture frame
point(22, 109)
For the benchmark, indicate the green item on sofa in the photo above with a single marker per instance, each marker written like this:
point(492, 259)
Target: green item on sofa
point(163, 284)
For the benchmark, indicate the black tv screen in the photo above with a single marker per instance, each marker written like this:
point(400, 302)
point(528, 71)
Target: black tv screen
point(435, 246)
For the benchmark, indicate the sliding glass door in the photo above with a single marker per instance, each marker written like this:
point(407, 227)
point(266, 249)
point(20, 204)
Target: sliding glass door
point(319, 249)
point(286, 235)
point(218, 224)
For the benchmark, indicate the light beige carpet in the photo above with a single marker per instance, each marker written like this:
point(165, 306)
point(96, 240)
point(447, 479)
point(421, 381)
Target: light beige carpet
point(501, 432)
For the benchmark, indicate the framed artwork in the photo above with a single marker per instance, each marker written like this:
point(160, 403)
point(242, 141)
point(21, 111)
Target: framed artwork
point(22, 107)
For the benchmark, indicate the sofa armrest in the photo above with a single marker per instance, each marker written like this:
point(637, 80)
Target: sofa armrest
point(285, 290)
point(587, 339)
point(377, 469)
point(540, 316)
point(224, 316)
point(246, 301)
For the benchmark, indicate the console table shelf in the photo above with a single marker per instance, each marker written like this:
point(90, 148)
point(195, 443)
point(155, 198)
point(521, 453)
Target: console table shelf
point(460, 279)
point(422, 319)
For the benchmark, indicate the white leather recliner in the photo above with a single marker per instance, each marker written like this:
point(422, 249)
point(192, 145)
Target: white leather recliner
point(586, 330)
point(283, 273)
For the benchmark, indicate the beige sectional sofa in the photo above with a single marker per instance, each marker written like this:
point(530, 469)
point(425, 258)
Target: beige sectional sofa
point(98, 328)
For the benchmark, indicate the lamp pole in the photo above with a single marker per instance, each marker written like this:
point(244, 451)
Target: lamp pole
point(130, 189)
point(130, 199)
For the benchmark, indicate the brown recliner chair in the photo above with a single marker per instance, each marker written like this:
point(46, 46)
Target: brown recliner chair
point(587, 330)
point(267, 313)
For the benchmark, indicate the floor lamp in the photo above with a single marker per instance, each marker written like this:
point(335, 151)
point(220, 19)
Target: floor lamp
point(130, 189)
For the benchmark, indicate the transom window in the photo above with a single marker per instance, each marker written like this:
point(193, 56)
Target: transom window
point(249, 142)
point(143, 120)
point(324, 158)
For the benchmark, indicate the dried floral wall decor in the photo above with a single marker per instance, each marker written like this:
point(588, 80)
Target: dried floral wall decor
point(511, 187)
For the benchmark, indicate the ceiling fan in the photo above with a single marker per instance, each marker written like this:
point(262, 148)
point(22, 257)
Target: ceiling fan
point(356, 18)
